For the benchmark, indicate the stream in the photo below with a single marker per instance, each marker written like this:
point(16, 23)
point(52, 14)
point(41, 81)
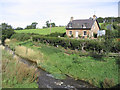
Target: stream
point(46, 80)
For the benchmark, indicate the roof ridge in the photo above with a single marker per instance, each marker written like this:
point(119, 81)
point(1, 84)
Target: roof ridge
point(81, 19)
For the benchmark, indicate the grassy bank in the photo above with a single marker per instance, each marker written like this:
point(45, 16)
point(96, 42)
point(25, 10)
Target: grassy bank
point(16, 74)
point(44, 31)
point(54, 60)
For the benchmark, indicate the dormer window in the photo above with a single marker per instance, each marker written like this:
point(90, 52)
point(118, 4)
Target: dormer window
point(83, 26)
point(70, 25)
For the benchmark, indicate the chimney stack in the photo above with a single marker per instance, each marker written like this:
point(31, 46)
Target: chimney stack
point(71, 19)
point(94, 17)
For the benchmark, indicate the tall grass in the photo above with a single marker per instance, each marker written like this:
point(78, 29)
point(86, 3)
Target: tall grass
point(28, 53)
point(16, 74)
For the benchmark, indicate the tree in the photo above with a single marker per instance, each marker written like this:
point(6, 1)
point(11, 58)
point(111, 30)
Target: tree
point(53, 24)
point(19, 28)
point(48, 24)
point(7, 31)
point(100, 20)
point(33, 25)
point(28, 27)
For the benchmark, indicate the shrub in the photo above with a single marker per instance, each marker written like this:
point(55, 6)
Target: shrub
point(107, 83)
point(95, 35)
point(97, 56)
point(56, 34)
point(79, 36)
point(87, 45)
point(21, 36)
point(72, 36)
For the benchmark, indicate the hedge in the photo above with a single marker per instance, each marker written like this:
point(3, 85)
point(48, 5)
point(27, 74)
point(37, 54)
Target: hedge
point(80, 44)
point(56, 34)
point(73, 44)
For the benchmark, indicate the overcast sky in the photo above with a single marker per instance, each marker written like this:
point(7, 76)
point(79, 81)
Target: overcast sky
point(24, 12)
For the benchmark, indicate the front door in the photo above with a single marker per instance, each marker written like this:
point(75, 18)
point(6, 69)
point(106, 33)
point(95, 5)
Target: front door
point(76, 33)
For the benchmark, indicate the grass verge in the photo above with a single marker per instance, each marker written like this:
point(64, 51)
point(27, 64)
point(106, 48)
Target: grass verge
point(94, 71)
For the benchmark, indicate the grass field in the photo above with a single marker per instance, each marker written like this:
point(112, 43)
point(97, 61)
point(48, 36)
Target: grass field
point(86, 68)
point(44, 31)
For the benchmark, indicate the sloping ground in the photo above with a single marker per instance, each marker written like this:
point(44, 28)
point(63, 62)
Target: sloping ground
point(95, 71)
point(44, 31)
point(45, 79)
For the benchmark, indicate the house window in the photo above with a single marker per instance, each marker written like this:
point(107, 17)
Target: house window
point(70, 32)
point(85, 33)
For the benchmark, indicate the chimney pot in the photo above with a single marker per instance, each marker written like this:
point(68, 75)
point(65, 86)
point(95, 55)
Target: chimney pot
point(71, 19)
point(94, 17)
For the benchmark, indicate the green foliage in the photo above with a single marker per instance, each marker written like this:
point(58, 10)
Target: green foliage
point(108, 19)
point(107, 45)
point(56, 34)
point(32, 26)
point(48, 24)
point(79, 36)
point(71, 36)
point(19, 28)
point(21, 36)
point(7, 31)
point(95, 35)
point(97, 56)
point(83, 68)
point(94, 45)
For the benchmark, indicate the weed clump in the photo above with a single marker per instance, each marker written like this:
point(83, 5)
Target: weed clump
point(15, 73)
point(108, 83)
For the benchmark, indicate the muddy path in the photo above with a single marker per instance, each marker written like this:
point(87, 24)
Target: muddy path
point(46, 80)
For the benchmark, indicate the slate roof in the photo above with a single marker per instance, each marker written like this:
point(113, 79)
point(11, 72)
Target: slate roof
point(80, 24)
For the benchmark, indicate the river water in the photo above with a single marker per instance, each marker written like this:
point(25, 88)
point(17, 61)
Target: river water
point(46, 80)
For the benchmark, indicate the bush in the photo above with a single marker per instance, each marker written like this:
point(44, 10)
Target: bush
point(56, 34)
point(21, 36)
point(71, 43)
point(95, 35)
point(107, 83)
point(97, 55)
point(87, 45)
point(72, 36)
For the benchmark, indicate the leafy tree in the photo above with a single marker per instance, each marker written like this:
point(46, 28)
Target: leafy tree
point(48, 24)
point(33, 25)
point(7, 31)
point(28, 27)
point(19, 28)
point(53, 24)
point(100, 20)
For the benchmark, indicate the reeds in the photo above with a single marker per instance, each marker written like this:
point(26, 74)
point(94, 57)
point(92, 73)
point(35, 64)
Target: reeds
point(15, 72)
point(28, 53)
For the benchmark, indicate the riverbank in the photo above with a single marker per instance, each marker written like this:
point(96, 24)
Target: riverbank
point(16, 74)
point(53, 60)
point(47, 80)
